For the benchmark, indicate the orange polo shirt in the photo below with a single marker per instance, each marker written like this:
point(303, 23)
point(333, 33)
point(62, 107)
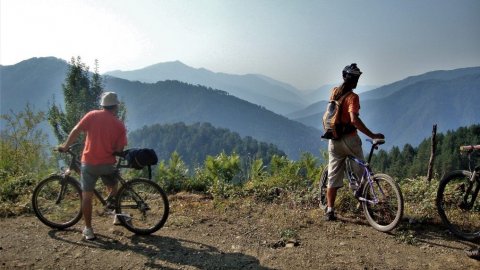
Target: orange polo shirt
point(105, 134)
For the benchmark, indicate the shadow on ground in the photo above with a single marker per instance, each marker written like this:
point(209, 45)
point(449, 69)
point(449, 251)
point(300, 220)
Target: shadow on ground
point(158, 249)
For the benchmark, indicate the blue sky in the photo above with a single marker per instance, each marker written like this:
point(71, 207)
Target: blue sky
point(304, 43)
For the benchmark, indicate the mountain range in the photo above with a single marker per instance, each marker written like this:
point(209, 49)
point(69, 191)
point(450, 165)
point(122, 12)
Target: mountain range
point(276, 96)
point(404, 110)
point(38, 81)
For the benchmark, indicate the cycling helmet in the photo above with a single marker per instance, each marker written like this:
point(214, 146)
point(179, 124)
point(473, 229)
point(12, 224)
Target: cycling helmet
point(351, 71)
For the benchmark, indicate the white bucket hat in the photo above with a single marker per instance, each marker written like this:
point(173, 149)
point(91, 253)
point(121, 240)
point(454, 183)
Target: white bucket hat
point(109, 99)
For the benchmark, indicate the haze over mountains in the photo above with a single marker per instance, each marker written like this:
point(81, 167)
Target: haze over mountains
point(162, 102)
point(405, 111)
point(276, 96)
point(251, 104)
point(272, 94)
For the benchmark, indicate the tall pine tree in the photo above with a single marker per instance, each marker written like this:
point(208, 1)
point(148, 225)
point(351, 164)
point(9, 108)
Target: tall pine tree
point(81, 93)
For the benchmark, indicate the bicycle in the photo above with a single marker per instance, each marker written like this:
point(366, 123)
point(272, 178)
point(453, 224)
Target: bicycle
point(457, 202)
point(379, 195)
point(140, 204)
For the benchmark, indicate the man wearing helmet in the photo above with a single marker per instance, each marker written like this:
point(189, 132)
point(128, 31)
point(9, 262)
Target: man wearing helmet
point(349, 143)
point(106, 134)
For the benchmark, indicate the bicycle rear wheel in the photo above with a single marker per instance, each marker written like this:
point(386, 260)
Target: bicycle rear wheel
point(57, 202)
point(385, 213)
point(323, 189)
point(143, 206)
point(459, 211)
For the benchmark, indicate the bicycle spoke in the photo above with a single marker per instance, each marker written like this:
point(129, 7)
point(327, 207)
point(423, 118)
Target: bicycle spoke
point(455, 205)
point(145, 204)
point(57, 202)
point(383, 204)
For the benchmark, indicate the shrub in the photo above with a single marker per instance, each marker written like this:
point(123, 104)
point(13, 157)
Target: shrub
point(419, 196)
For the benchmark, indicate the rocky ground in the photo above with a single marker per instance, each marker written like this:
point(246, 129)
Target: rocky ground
point(242, 234)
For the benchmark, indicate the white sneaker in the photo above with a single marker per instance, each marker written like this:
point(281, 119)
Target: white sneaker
point(88, 233)
point(126, 217)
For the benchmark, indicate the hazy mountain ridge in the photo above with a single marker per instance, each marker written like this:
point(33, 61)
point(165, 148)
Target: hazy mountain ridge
point(448, 98)
point(173, 101)
point(36, 81)
point(276, 96)
point(161, 102)
point(407, 114)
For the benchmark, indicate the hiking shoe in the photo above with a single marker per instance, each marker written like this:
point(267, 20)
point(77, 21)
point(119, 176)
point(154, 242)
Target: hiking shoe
point(88, 234)
point(474, 253)
point(126, 218)
point(330, 216)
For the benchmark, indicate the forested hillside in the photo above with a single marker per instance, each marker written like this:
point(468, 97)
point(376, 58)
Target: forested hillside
point(195, 142)
point(170, 102)
point(410, 162)
point(38, 81)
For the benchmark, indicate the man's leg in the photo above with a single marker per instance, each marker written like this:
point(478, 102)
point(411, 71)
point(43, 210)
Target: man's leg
point(331, 196)
point(87, 180)
point(87, 208)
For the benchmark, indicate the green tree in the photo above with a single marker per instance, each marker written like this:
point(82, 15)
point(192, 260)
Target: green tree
point(81, 94)
point(22, 153)
point(173, 175)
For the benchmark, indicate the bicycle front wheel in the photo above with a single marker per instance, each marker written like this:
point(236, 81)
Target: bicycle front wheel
point(57, 202)
point(457, 207)
point(143, 206)
point(383, 206)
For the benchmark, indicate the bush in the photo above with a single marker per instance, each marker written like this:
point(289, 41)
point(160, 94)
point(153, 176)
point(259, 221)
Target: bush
point(419, 196)
point(173, 177)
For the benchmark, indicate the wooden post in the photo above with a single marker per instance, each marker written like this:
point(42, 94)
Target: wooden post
point(432, 153)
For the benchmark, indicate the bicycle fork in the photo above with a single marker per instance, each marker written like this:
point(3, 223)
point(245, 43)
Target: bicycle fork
point(465, 204)
point(370, 183)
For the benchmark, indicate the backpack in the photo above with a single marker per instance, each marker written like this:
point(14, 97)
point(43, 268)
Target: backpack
point(333, 128)
point(138, 158)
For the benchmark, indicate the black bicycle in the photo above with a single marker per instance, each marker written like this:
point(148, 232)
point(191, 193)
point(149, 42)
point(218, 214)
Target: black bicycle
point(457, 202)
point(379, 194)
point(141, 205)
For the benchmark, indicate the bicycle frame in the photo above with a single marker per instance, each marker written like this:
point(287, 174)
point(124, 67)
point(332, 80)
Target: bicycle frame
point(474, 179)
point(366, 177)
point(75, 166)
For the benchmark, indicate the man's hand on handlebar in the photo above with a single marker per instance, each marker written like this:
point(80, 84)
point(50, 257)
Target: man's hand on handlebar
point(62, 149)
point(378, 136)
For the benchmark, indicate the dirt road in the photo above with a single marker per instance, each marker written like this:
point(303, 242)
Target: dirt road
point(201, 234)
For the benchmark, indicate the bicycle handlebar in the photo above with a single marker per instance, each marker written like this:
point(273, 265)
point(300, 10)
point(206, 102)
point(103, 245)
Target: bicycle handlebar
point(376, 141)
point(469, 148)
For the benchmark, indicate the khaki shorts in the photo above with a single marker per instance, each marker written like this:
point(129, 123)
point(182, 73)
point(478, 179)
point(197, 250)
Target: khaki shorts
point(90, 174)
point(338, 150)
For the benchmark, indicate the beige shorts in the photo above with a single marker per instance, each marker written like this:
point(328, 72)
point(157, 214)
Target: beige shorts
point(338, 150)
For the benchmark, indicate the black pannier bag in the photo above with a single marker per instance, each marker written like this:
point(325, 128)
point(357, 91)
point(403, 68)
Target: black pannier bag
point(138, 158)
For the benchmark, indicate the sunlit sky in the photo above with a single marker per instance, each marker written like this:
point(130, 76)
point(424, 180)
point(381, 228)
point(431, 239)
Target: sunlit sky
point(303, 43)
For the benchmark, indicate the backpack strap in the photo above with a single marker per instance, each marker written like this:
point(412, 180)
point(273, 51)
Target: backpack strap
point(340, 100)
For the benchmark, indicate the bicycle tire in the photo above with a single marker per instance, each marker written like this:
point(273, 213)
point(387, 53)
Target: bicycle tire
point(451, 191)
point(385, 215)
point(52, 212)
point(143, 206)
point(323, 189)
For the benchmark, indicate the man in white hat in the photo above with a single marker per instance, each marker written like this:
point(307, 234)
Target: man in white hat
point(105, 134)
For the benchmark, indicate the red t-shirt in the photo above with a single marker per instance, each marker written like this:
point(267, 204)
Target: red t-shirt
point(105, 134)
